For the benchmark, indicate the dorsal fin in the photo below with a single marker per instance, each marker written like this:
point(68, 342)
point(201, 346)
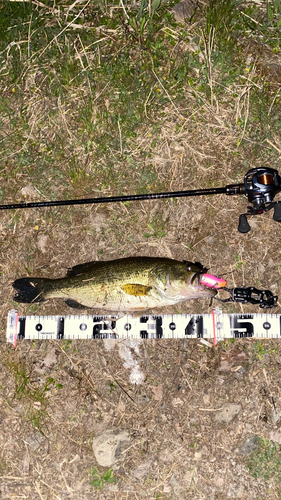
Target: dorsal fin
point(82, 268)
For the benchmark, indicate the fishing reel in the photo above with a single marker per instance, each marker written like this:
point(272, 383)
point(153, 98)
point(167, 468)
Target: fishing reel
point(260, 186)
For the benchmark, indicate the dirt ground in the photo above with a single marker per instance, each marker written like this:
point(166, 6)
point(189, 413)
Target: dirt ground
point(189, 422)
point(194, 421)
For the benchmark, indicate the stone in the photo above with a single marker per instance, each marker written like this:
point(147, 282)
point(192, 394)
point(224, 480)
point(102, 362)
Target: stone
point(48, 362)
point(109, 445)
point(249, 445)
point(184, 10)
point(29, 191)
point(177, 402)
point(275, 437)
point(36, 441)
point(42, 240)
point(228, 413)
point(142, 469)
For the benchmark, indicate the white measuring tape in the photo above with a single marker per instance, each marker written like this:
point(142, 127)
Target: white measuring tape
point(217, 325)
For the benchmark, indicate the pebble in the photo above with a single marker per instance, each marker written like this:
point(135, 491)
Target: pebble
point(108, 446)
point(228, 413)
point(142, 469)
point(183, 10)
point(29, 191)
point(48, 362)
point(177, 402)
point(275, 437)
point(36, 441)
point(42, 241)
point(249, 445)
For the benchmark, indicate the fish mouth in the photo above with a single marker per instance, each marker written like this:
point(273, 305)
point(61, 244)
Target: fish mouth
point(195, 281)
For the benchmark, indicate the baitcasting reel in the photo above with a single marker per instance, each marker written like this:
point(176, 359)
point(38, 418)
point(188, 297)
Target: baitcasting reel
point(260, 186)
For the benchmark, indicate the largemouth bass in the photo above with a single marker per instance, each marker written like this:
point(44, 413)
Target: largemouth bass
point(127, 285)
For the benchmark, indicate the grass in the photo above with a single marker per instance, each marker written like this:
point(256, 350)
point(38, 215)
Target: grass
point(100, 479)
point(121, 72)
point(34, 396)
point(265, 462)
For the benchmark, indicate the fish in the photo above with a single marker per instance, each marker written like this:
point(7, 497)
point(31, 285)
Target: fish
point(130, 284)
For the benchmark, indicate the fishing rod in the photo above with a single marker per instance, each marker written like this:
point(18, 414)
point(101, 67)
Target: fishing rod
point(260, 186)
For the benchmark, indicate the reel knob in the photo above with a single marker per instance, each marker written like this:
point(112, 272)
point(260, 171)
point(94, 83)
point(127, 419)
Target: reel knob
point(277, 211)
point(244, 226)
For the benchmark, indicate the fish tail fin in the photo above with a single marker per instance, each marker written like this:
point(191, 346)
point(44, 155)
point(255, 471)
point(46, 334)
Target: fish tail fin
point(30, 289)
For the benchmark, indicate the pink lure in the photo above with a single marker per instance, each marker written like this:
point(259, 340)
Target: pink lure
point(212, 281)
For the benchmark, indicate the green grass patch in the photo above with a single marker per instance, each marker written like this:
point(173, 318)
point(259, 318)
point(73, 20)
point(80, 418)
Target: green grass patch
point(34, 396)
point(99, 479)
point(265, 462)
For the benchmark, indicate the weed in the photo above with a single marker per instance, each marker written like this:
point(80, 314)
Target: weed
point(156, 227)
point(265, 461)
point(113, 386)
point(194, 444)
point(99, 479)
point(34, 396)
point(260, 350)
point(239, 261)
point(66, 344)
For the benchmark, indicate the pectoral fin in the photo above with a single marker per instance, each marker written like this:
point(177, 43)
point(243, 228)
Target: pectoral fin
point(74, 304)
point(136, 289)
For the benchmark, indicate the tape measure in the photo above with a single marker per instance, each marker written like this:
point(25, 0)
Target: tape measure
point(217, 326)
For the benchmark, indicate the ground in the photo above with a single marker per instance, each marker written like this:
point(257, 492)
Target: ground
point(205, 422)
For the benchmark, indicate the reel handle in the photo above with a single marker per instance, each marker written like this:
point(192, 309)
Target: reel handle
point(243, 226)
point(277, 211)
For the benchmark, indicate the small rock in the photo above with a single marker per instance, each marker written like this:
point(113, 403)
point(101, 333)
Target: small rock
point(218, 481)
point(249, 445)
point(42, 240)
point(157, 392)
point(166, 488)
point(108, 446)
point(231, 359)
point(29, 191)
point(184, 10)
point(48, 362)
point(142, 469)
point(190, 476)
point(261, 269)
point(166, 455)
point(275, 417)
point(198, 455)
point(275, 437)
point(113, 488)
point(228, 413)
point(210, 240)
point(178, 488)
point(25, 464)
point(131, 362)
point(177, 402)
point(36, 441)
